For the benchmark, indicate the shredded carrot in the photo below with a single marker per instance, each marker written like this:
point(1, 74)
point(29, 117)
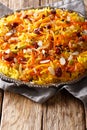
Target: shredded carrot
point(43, 45)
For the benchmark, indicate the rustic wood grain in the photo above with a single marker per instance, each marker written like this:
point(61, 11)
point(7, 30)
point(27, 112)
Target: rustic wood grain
point(17, 4)
point(5, 2)
point(46, 2)
point(32, 3)
point(25, 3)
point(19, 113)
point(62, 112)
point(14, 4)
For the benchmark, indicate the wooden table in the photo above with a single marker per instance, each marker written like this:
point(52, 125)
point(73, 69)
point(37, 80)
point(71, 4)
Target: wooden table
point(62, 112)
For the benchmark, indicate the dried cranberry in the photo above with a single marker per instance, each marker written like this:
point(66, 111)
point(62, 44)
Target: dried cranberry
point(16, 47)
point(41, 29)
point(78, 34)
point(8, 57)
point(58, 72)
point(35, 45)
point(58, 50)
point(26, 16)
point(14, 25)
point(23, 59)
point(62, 19)
point(53, 11)
point(48, 26)
point(43, 16)
point(81, 39)
point(37, 31)
point(52, 38)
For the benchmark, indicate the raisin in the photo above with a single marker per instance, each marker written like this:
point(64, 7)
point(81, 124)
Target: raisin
point(14, 25)
point(16, 47)
point(35, 45)
point(46, 54)
point(81, 39)
point(22, 60)
point(37, 31)
point(58, 72)
point(62, 20)
point(26, 16)
point(58, 50)
point(41, 29)
point(78, 34)
point(53, 11)
point(48, 26)
point(52, 38)
point(8, 57)
point(43, 16)
point(31, 78)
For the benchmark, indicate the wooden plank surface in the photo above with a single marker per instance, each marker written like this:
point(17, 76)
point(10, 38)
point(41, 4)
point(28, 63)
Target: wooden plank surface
point(62, 112)
point(20, 113)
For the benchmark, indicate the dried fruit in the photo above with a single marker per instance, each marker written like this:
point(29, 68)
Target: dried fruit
point(58, 72)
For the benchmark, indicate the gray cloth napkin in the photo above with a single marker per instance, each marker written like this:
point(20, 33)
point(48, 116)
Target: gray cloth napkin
point(4, 10)
point(76, 5)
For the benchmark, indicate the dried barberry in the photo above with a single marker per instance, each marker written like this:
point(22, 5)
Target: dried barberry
point(81, 39)
point(58, 50)
point(35, 45)
point(78, 34)
point(8, 57)
point(43, 16)
point(37, 31)
point(53, 11)
point(58, 72)
point(14, 25)
point(48, 26)
point(26, 16)
point(23, 59)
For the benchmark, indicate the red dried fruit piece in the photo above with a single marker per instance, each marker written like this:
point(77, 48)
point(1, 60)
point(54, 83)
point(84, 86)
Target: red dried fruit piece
point(58, 72)
point(58, 50)
point(35, 45)
point(53, 11)
point(37, 31)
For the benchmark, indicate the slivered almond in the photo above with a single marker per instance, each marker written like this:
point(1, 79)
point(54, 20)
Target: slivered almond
point(51, 70)
point(44, 61)
point(62, 61)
